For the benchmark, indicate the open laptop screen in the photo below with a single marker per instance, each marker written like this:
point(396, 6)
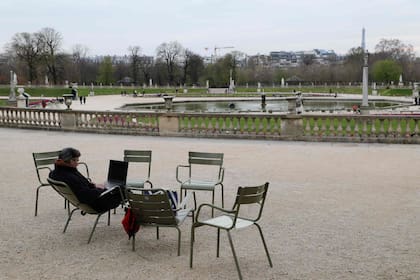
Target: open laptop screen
point(117, 172)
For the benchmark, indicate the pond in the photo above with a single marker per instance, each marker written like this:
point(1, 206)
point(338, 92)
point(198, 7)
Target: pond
point(227, 106)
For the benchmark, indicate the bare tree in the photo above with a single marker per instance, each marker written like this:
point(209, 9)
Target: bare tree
point(170, 53)
point(195, 68)
point(308, 59)
point(146, 66)
point(79, 57)
point(135, 62)
point(51, 43)
point(106, 71)
point(394, 49)
point(353, 64)
point(186, 65)
point(27, 48)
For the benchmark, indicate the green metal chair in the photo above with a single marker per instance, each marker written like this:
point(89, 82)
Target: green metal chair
point(139, 156)
point(65, 191)
point(231, 220)
point(44, 163)
point(153, 208)
point(196, 173)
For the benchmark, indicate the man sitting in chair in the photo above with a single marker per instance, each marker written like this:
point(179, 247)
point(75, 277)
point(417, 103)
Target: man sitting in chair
point(85, 191)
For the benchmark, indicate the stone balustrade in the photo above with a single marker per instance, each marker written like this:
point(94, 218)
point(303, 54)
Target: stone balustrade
point(322, 127)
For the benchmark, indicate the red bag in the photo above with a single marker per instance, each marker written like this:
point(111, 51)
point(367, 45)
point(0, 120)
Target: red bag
point(129, 223)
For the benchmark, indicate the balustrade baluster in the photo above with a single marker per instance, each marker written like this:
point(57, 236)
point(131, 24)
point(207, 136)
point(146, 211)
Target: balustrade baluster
point(315, 129)
point(357, 128)
point(47, 119)
point(416, 127)
point(364, 127)
point(381, 132)
point(399, 129)
point(307, 129)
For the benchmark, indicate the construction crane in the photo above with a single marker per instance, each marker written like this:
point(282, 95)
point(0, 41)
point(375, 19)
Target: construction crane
point(214, 56)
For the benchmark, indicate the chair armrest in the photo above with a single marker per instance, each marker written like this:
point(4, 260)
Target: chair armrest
point(86, 168)
point(221, 175)
point(39, 177)
point(212, 207)
point(177, 171)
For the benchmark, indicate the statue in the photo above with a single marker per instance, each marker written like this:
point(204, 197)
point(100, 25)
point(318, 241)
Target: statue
point(13, 84)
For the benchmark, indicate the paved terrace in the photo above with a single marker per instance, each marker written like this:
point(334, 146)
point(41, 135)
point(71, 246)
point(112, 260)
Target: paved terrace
point(334, 211)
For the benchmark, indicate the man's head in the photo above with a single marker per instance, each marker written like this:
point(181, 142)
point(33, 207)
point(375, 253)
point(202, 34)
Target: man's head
point(69, 156)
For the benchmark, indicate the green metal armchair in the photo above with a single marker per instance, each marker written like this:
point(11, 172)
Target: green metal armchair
point(44, 162)
point(65, 191)
point(138, 156)
point(195, 180)
point(231, 220)
point(153, 208)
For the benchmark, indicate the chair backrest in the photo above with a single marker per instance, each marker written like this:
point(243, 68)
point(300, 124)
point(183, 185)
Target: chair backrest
point(65, 191)
point(44, 160)
point(203, 159)
point(139, 156)
point(251, 195)
point(151, 207)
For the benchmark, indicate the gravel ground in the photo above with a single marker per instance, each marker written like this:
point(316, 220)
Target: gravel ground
point(334, 211)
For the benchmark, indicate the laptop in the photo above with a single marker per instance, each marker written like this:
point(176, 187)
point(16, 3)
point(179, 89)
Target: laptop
point(117, 173)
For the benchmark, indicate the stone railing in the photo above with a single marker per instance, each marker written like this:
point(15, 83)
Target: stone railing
point(362, 128)
point(322, 127)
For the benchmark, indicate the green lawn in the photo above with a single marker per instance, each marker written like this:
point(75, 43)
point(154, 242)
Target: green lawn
point(241, 91)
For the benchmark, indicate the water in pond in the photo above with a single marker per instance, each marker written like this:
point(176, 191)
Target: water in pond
point(255, 106)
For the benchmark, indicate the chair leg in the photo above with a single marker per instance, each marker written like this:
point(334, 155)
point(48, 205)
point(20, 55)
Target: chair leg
point(93, 229)
point(195, 200)
point(218, 242)
point(223, 200)
point(157, 232)
point(109, 216)
point(212, 202)
point(179, 241)
point(192, 244)
point(265, 245)
point(234, 255)
point(134, 243)
point(68, 207)
point(68, 219)
point(36, 200)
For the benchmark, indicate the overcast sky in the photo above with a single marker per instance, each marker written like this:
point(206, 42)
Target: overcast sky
point(251, 26)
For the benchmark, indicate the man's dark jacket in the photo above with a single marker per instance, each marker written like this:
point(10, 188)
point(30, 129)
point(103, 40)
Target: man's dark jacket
point(85, 191)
